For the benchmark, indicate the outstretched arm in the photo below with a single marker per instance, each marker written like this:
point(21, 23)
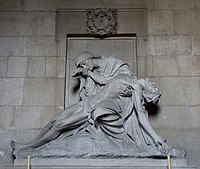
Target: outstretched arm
point(142, 117)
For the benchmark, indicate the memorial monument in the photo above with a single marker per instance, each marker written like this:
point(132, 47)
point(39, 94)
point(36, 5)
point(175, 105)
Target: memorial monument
point(109, 121)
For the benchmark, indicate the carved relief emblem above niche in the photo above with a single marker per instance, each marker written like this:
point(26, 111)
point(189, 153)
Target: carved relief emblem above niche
point(101, 21)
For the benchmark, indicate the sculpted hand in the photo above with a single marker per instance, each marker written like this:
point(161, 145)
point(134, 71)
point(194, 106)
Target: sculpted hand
point(84, 72)
point(78, 72)
point(162, 146)
point(126, 90)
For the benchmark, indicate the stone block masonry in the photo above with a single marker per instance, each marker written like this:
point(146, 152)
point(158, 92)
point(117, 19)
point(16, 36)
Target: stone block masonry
point(32, 65)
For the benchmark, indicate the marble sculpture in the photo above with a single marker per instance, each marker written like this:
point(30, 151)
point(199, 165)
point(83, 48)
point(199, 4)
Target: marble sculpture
point(109, 121)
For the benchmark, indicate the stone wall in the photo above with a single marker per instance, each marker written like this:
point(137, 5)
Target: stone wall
point(32, 65)
point(173, 47)
point(28, 76)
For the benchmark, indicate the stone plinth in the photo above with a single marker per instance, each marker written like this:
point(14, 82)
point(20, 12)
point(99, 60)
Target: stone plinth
point(100, 164)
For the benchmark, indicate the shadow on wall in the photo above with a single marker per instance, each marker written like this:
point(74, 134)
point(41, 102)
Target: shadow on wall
point(153, 110)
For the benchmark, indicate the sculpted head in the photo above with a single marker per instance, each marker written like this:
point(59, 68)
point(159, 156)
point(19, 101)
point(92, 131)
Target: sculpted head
point(85, 60)
point(151, 92)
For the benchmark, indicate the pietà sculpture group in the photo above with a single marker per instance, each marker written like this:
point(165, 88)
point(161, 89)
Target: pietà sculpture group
point(109, 121)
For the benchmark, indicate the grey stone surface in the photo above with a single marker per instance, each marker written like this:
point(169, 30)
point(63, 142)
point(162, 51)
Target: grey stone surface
point(180, 90)
point(26, 134)
point(186, 22)
point(56, 167)
point(74, 18)
point(60, 92)
point(195, 45)
point(197, 4)
point(160, 23)
point(142, 66)
point(3, 159)
point(12, 5)
point(11, 91)
point(34, 24)
point(137, 23)
point(11, 46)
point(141, 23)
point(183, 22)
point(132, 21)
point(17, 66)
point(39, 91)
point(189, 65)
point(61, 46)
point(165, 66)
point(46, 114)
point(19, 117)
point(50, 67)
point(71, 96)
point(130, 3)
point(104, 162)
point(6, 135)
point(30, 22)
point(61, 61)
point(176, 117)
point(150, 65)
point(141, 46)
point(23, 116)
point(103, 46)
point(11, 24)
point(196, 19)
point(3, 66)
point(39, 116)
point(52, 5)
point(36, 66)
point(125, 49)
point(39, 46)
point(62, 4)
point(174, 4)
point(7, 117)
point(173, 45)
point(46, 23)
point(150, 5)
point(151, 46)
point(78, 45)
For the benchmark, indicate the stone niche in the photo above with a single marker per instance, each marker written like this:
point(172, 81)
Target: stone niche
point(72, 39)
point(122, 45)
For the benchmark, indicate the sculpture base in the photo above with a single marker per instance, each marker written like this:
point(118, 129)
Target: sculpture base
point(128, 163)
point(94, 145)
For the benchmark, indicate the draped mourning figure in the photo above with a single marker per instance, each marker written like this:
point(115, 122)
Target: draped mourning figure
point(109, 120)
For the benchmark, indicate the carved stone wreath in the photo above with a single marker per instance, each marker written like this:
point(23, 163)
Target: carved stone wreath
point(101, 21)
